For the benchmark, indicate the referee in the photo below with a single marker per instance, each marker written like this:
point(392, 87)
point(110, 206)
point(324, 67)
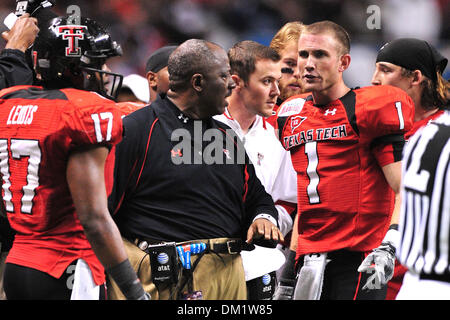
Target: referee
point(425, 213)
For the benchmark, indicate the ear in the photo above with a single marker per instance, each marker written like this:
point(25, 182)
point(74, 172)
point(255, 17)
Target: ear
point(417, 77)
point(238, 82)
point(151, 79)
point(344, 62)
point(197, 82)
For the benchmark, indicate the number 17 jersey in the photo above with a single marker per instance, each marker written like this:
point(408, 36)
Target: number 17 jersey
point(38, 131)
point(338, 150)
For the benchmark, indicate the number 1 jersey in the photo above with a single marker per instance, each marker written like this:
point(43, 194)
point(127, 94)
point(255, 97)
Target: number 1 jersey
point(338, 150)
point(38, 131)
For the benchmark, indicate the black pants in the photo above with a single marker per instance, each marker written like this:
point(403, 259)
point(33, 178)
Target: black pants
point(342, 281)
point(261, 288)
point(22, 283)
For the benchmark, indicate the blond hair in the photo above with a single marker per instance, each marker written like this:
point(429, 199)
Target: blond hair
point(442, 92)
point(289, 32)
point(434, 94)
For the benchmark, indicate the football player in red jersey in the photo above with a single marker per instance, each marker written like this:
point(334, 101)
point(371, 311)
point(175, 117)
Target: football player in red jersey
point(346, 146)
point(53, 144)
point(416, 67)
point(285, 43)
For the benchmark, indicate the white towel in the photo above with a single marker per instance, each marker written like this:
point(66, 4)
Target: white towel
point(260, 261)
point(84, 287)
point(310, 277)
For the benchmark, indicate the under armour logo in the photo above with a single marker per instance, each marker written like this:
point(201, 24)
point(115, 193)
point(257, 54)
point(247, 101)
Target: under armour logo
point(72, 34)
point(183, 118)
point(176, 153)
point(332, 112)
point(296, 122)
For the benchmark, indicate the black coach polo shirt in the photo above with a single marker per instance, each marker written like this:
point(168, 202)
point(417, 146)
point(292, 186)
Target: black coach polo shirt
point(179, 179)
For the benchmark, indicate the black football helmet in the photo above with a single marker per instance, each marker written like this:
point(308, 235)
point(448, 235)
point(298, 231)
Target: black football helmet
point(65, 54)
point(32, 6)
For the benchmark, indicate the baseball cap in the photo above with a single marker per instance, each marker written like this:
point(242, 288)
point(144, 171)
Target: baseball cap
point(413, 54)
point(138, 85)
point(159, 59)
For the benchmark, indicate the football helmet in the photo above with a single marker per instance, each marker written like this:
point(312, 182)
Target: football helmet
point(65, 54)
point(32, 6)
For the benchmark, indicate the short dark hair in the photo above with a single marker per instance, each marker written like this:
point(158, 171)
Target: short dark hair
point(244, 55)
point(191, 57)
point(339, 33)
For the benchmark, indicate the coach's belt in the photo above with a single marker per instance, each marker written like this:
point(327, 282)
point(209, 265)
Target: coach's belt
point(217, 245)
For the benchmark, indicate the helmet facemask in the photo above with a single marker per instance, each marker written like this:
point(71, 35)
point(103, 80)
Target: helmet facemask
point(105, 83)
point(97, 77)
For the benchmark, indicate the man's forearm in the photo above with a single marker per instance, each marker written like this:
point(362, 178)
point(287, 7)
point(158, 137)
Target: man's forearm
point(294, 237)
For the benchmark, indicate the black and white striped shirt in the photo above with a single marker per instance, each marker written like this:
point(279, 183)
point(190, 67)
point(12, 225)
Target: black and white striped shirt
point(424, 225)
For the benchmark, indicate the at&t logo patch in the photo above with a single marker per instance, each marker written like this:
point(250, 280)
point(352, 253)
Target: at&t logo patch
point(266, 279)
point(163, 258)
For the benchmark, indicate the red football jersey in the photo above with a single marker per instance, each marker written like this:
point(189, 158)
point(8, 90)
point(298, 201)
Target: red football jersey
point(38, 131)
point(338, 149)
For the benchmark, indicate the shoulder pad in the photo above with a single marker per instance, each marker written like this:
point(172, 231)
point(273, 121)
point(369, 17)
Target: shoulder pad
point(291, 107)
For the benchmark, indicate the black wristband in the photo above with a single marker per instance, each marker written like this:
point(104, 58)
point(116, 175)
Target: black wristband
point(393, 226)
point(125, 277)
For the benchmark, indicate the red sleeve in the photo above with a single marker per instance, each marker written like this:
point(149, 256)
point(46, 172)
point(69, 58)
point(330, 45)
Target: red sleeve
point(90, 125)
point(384, 116)
point(386, 110)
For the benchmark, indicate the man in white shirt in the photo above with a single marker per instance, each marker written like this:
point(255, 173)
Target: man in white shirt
point(255, 69)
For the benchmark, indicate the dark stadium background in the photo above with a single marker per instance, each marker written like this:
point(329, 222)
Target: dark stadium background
point(142, 26)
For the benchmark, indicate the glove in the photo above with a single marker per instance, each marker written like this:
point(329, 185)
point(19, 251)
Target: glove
point(284, 290)
point(380, 263)
point(286, 286)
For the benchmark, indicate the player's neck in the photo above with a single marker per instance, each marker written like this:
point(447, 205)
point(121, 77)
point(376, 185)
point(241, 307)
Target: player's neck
point(330, 94)
point(421, 113)
point(153, 95)
point(239, 113)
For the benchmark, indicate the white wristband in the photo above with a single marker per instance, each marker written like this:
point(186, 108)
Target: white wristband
point(267, 217)
point(10, 20)
point(392, 237)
